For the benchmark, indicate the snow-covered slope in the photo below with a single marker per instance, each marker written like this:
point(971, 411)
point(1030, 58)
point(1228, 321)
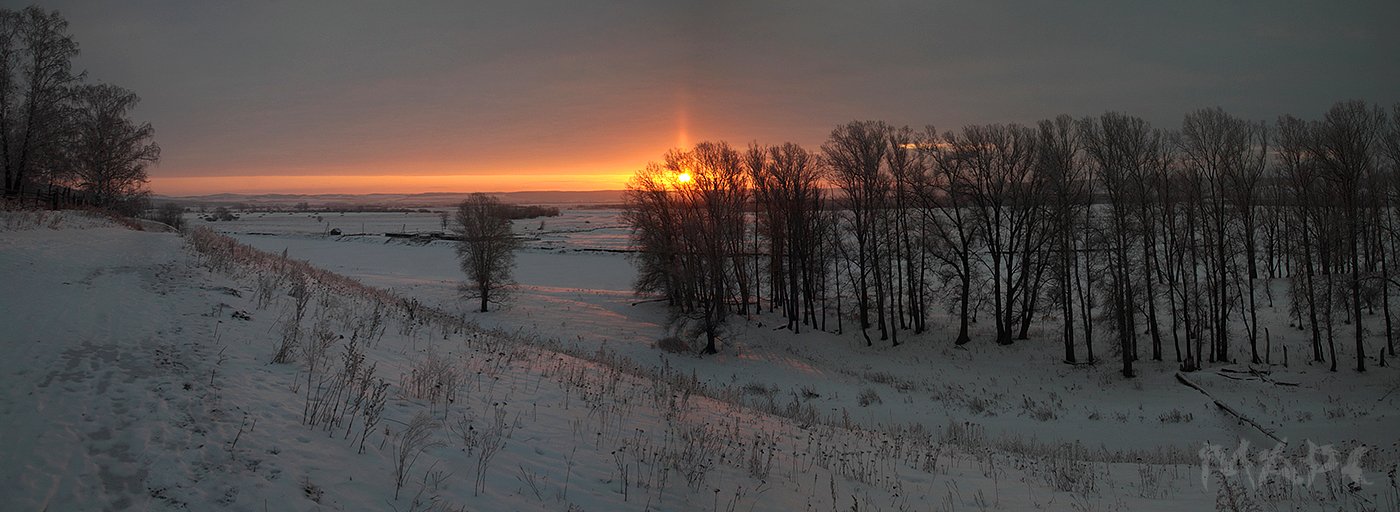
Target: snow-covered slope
point(139, 374)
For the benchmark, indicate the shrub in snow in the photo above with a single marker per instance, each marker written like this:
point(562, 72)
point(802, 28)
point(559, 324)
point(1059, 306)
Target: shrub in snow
point(674, 344)
point(869, 396)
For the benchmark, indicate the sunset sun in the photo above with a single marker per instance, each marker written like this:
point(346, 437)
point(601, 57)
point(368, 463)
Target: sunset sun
point(683, 177)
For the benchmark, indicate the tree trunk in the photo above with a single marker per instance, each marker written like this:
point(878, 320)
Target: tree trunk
point(965, 296)
point(1354, 235)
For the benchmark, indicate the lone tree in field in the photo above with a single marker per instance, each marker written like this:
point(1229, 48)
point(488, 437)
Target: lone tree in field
point(487, 247)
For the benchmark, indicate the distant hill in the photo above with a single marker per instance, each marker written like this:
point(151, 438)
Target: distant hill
point(424, 200)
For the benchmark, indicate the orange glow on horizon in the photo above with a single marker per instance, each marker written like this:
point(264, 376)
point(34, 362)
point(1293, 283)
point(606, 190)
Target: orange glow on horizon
point(608, 171)
point(385, 184)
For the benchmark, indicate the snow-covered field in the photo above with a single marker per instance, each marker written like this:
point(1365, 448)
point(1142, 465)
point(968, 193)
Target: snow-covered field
point(139, 376)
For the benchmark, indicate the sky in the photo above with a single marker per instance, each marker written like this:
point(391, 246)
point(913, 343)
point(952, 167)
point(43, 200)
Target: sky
point(401, 97)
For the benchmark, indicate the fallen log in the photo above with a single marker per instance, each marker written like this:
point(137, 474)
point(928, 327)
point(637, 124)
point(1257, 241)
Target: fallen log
point(1262, 377)
point(1182, 379)
point(1231, 377)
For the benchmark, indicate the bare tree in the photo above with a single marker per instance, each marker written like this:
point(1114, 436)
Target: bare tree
point(1217, 146)
point(1067, 182)
point(1152, 165)
point(1003, 216)
point(1171, 185)
point(909, 167)
point(1378, 242)
point(650, 209)
point(111, 152)
point(1299, 176)
point(788, 193)
point(36, 55)
point(486, 248)
point(854, 154)
point(1004, 195)
point(1248, 161)
point(11, 23)
point(687, 218)
point(1345, 144)
point(955, 235)
point(712, 228)
point(770, 226)
point(1390, 141)
point(1388, 192)
point(1124, 150)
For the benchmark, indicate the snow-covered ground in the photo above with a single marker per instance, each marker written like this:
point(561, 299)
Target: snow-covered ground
point(138, 377)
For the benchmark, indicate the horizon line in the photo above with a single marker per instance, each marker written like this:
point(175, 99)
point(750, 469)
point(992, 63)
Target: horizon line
point(361, 194)
point(361, 184)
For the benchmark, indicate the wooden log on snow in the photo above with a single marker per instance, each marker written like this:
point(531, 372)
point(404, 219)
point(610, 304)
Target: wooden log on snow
point(1182, 379)
point(1264, 376)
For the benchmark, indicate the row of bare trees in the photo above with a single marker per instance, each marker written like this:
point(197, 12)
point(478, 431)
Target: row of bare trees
point(1169, 239)
point(55, 130)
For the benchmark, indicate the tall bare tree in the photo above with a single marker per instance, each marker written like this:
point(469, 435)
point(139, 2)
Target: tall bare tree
point(945, 196)
point(1388, 193)
point(786, 180)
point(687, 218)
point(1067, 182)
point(1171, 185)
point(111, 152)
point(1298, 174)
point(1345, 143)
point(1248, 161)
point(37, 84)
point(651, 210)
point(11, 48)
point(853, 155)
point(1004, 197)
point(769, 224)
point(1124, 150)
point(486, 249)
point(1225, 152)
point(713, 227)
point(908, 167)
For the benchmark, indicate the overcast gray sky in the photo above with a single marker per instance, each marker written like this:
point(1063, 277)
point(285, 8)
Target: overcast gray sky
point(531, 93)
